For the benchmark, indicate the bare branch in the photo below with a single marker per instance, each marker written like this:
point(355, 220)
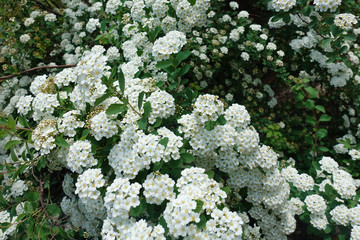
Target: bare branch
point(35, 68)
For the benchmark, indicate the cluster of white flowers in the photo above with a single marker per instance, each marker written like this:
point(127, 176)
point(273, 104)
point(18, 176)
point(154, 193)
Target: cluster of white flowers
point(171, 43)
point(120, 196)
point(44, 136)
point(325, 5)
point(69, 122)
point(87, 184)
point(158, 187)
point(50, 17)
point(283, 5)
point(345, 20)
point(162, 105)
point(5, 218)
point(137, 151)
point(18, 188)
point(339, 71)
point(92, 24)
point(24, 38)
point(183, 212)
point(80, 156)
point(102, 125)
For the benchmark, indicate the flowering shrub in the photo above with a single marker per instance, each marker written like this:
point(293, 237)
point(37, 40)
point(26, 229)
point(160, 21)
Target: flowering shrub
point(180, 119)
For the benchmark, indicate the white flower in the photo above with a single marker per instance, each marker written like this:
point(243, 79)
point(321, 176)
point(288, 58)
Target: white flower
point(24, 38)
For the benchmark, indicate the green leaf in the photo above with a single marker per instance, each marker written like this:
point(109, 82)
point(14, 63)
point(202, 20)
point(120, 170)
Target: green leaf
point(140, 99)
point(210, 173)
point(142, 123)
point(321, 133)
point(13, 155)
point(313, 93)
point(11, 122)
point(316, 165)
point(324, 118)
point(11, 143)
point(121, 79)
point(157, 166)
point(226, 190)
point(84, 134)
point(310, 120)
point(184, 70)
point(199, 205)
point(181, 56)
point(147, 110)
point(320, 108)
point(102, 98)
point(323, 149)
point(157, 122)
point(41, 163)
point(164, 64)
point(350, 37)
point(164, 141)
point(202, 223)
point(135, 212)
point(163, 224)
point(335, 30)
point(28, 207)
point(60, 141)
point(33, 196)
point(23, 121)
point(2, 200)
point(187, 157)
point(53, 210)
point(326, 42)
point(310, 104)
point(116, 108)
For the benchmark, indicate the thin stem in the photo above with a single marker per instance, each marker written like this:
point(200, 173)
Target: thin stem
point(36, 68)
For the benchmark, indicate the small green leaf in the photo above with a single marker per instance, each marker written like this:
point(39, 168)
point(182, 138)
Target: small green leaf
point(310, 120)
point(324, 118)
point(23, 121)
point(163, 64)
point(226, 190)
point(157, 166)
point(147, 110)
point(323, 149)
point(121, 79)
point(192, 2)
point(157, 122)
point(313, 93)
point(321, 133)
point(11, 143)
point(140, 99)
point(202, 223)
point(60, 141)
point(116, 108)
point(163, 224)
point(184, 70)
point(199, 205)
point(135, 212)
point(326, 42)
point(102, 98)
point(350, 37)
point(310, 104)
point(181, 56)
point(320, 108)
point(210, 173)
point(84, 134)
point(53, 210)
point(13, 155)
point(33, 196)
point(187, 157)
point(142, 123)
point(164, 141)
